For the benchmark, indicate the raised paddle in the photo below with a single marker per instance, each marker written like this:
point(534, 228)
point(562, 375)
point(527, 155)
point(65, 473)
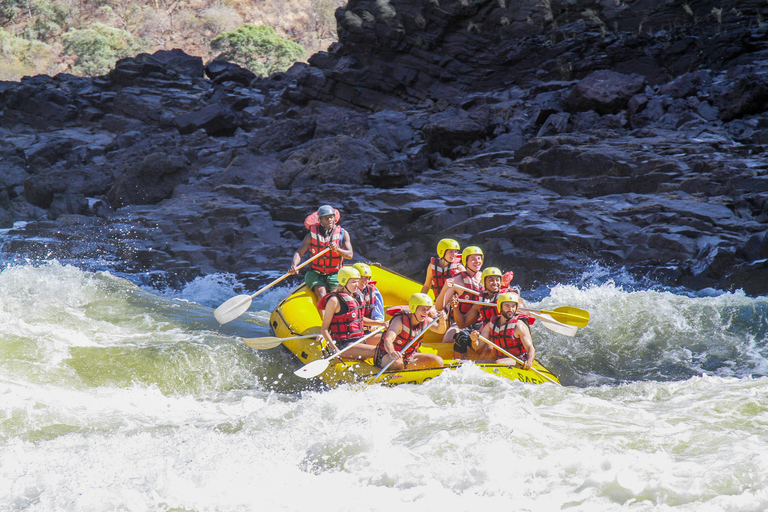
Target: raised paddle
point(513, 357)
point(407, 346)
point(548, 322)
point(268, 342)
point(458, 286)
point(315, 368)
point(239, 304)
point(565, 314)
point(555, 326)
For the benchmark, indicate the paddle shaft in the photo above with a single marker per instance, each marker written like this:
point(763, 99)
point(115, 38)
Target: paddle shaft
point(580, 320)
point(313, 258)
point(320, 365)
point(466, 289)
point(369, 335)
point(513, 357)
point(545, 319)
point(239, 304)
point(406, 347)
point(271, 341)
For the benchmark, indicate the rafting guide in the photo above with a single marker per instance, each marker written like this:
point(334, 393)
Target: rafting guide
point(324, 233)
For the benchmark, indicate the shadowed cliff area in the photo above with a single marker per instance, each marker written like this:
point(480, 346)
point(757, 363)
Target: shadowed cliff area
point(555, 135)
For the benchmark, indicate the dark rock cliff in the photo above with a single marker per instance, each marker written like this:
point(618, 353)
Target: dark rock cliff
point(557, 135)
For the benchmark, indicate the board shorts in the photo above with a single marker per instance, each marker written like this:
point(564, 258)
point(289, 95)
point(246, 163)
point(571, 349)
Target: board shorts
point(313, 278)
point(342, 344)
point(379, 355)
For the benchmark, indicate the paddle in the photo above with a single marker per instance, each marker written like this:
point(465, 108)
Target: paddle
point(468, 290)
point(315, 368)
point(271, 341)
point(238, 305)
point(548, 322)
point(406, 347)
point(555, 326)
point(513, 357)
point(565, 314)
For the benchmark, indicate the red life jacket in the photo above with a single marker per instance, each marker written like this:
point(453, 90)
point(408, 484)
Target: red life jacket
point(367, 298)
point(503, 334)
point(441, 274)
point(471, 284)
point(345, 325)
point(407, 333)
point(487, 313)
point(330, 262)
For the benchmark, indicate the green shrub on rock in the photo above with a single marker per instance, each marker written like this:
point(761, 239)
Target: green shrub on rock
point(258, 48)
point(99, 46)
point(23, 57)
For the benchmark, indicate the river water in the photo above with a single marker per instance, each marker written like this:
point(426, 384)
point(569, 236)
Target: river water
point(115, 396)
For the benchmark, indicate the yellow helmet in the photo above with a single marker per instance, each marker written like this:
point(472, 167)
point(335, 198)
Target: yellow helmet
point(347, 273)
point(490, 271)
point(469, 251)
point(365, 270)
point(446, 244)
point(506, 297)
point(419, 299)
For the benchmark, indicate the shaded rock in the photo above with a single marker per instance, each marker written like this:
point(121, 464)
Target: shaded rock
point(748, 95)
point(447, 131)
point(339, 159)
point(688, 84)
point(149, 182)
point(604, 91)
point(221, 71)
point(216, 119)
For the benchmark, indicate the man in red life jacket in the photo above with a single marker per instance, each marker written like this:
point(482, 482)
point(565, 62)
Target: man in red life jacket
point(370, 298)
point(445, 265)
point(403, 327)
point(472, 259)
point(343, 317)
point(321, 275)
point(510, 331)
point(478, 314)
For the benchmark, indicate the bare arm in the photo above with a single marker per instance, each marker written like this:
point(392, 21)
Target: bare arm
point(461, 320)
point(331, 308)
point(428, 281)
point(346, 246)
point(441, 325)
point(389, 337)
point(299, 253)
point(524, 333)
point(485, 332)
point(445, 295)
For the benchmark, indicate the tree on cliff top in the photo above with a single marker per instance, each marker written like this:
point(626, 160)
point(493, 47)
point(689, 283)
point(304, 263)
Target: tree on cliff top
point(258, 48)
point(98, 47)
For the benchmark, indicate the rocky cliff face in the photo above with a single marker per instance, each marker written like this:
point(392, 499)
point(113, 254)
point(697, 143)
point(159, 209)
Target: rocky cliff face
point(555, 134)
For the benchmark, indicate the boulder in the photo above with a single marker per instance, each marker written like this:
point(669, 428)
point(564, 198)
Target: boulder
point(604, 91)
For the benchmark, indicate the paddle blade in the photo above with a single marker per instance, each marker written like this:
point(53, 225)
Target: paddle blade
point(232, 308)
point(312, 369)
point(570, 316)
point(262, 343)
point(268, 342)
point(555, 326)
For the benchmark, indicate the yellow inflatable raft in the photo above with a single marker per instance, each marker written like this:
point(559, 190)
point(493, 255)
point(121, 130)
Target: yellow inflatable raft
point(297, 314)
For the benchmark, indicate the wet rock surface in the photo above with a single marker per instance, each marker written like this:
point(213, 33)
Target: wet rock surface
point(556, 135)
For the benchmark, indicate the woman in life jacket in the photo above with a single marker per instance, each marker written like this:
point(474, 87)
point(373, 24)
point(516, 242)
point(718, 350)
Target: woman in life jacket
point(343, 317)
point(403, 327)
point(471, 278)
point(370, 298)
point(323, 232)
point(445, 265)
point(478, 314)
point(510, 331)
